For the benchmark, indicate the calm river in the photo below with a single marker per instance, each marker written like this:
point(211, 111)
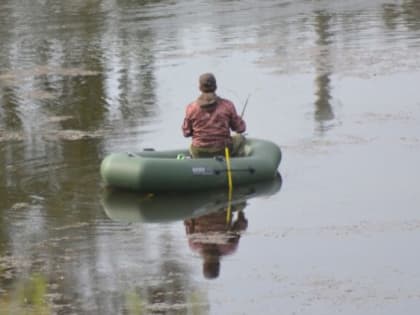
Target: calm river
point(334, 83)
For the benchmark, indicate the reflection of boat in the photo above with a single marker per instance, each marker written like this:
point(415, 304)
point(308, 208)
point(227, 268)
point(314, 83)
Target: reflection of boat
point(126, 206)
point(152, 171)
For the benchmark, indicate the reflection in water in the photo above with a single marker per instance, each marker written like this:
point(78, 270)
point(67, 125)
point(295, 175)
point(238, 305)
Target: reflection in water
point(128, 207)
point(78, 78)
point(407, 13)
point(212, 237)
point(323, 109)
point(57, 104)
point(204, 215)
point(411, 13)
point(28, 297)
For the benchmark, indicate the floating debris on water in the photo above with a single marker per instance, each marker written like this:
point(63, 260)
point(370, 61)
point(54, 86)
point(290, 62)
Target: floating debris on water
point(73, 135)
point(11, 136)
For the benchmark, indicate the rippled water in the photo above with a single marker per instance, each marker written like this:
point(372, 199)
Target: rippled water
point(334, 83)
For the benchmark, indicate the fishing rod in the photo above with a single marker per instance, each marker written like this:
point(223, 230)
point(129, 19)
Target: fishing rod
point(246, 103)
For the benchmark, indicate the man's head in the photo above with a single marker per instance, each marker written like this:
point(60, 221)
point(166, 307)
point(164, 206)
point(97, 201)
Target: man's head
point(211, 269)
point(207, 83)
point(211, 263)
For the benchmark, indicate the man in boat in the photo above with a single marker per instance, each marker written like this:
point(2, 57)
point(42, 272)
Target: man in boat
point(209, 120)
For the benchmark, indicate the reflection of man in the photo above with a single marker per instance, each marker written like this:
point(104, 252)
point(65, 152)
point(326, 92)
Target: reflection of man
point(212, 237)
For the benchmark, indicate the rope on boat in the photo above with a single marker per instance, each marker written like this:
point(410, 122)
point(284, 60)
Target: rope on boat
point(230, 185)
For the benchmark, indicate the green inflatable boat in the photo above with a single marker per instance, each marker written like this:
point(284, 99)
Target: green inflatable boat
point(158, 171)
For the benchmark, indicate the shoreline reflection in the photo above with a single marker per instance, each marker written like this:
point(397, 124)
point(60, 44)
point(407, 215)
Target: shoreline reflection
point(324, 113)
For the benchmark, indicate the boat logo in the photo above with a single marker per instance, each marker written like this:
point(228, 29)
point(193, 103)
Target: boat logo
point(202, 170)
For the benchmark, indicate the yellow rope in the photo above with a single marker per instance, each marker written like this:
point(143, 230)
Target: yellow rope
point(230, 185)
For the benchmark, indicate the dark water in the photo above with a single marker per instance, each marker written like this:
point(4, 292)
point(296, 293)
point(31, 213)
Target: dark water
point(334, 83)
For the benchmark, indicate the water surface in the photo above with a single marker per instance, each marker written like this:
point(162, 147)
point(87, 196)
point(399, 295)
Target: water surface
point(335, 84)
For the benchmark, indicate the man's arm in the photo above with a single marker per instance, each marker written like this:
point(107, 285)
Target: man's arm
point(237, 123)
point(187, 129)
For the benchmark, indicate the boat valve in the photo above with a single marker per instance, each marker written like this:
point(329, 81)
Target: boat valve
point(219, 158)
